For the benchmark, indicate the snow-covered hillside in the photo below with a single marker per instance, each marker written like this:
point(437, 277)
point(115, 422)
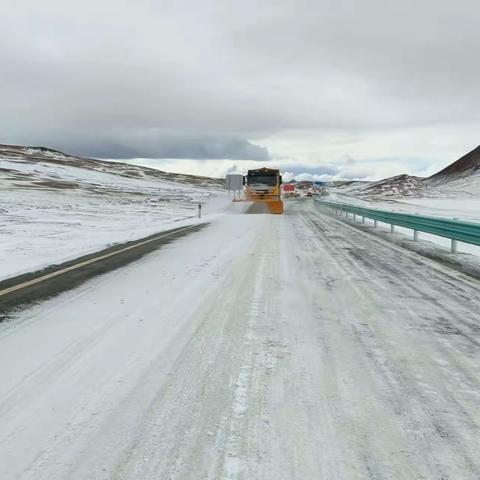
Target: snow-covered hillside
point(464, 167)
point(460, 180)
point(400, 185)
point(54, 207)
point(348, 187)
point(454, 192)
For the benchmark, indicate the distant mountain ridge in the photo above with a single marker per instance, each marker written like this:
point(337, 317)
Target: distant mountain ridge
point(399, 185)
point(50, 155)
point(20, 151)
point(460, 177)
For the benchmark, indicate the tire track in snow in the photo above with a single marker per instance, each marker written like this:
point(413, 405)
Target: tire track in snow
point(279, 355)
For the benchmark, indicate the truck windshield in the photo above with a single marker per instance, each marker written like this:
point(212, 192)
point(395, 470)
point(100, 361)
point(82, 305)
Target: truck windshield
point(270, 180)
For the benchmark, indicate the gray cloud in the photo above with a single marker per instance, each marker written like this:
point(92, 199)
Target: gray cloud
point(216, 79)
point(164, 145)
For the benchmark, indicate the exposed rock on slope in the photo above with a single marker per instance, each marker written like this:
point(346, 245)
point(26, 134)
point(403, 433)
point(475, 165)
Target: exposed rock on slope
point(400, 185)
point(465, 166)
point(460, 179)
point(47, 156)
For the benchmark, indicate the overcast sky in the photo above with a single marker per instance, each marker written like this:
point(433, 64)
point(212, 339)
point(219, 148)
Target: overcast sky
point(337, 89)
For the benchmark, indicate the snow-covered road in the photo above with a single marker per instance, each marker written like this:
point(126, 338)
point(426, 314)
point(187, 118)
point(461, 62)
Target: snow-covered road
point(262, 347)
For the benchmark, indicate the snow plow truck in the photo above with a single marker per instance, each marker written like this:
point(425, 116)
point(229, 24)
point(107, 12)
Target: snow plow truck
point(263, 186)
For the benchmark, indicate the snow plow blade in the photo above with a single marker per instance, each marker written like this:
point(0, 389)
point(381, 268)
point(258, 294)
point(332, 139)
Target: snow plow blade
point(275, 206)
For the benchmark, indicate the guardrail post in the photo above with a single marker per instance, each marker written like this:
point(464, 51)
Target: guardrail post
point(454, 247)
point(392, 228)
point(415, 235)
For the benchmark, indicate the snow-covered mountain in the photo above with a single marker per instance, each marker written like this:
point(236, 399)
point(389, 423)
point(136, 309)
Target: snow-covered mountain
point(37, 165)
point(392, 187)
point(454, 192)
point(400, 185)
point(54, 207)
point(460, 179)
point(466, 166)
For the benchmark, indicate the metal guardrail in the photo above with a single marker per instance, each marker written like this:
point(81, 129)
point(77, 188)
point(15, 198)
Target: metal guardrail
point(455, 230)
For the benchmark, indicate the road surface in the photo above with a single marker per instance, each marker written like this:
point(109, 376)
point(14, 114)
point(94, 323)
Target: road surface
point(261, 347)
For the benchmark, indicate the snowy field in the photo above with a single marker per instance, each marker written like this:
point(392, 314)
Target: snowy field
point(459, 200)
point(463, 208)
point(261, 347)
point(54, 208)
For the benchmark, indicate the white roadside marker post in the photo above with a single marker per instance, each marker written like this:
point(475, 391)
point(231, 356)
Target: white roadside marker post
point(454, 247)
point(392, 228)
point(415, 235)
point(374, 224)
point(199, 210)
